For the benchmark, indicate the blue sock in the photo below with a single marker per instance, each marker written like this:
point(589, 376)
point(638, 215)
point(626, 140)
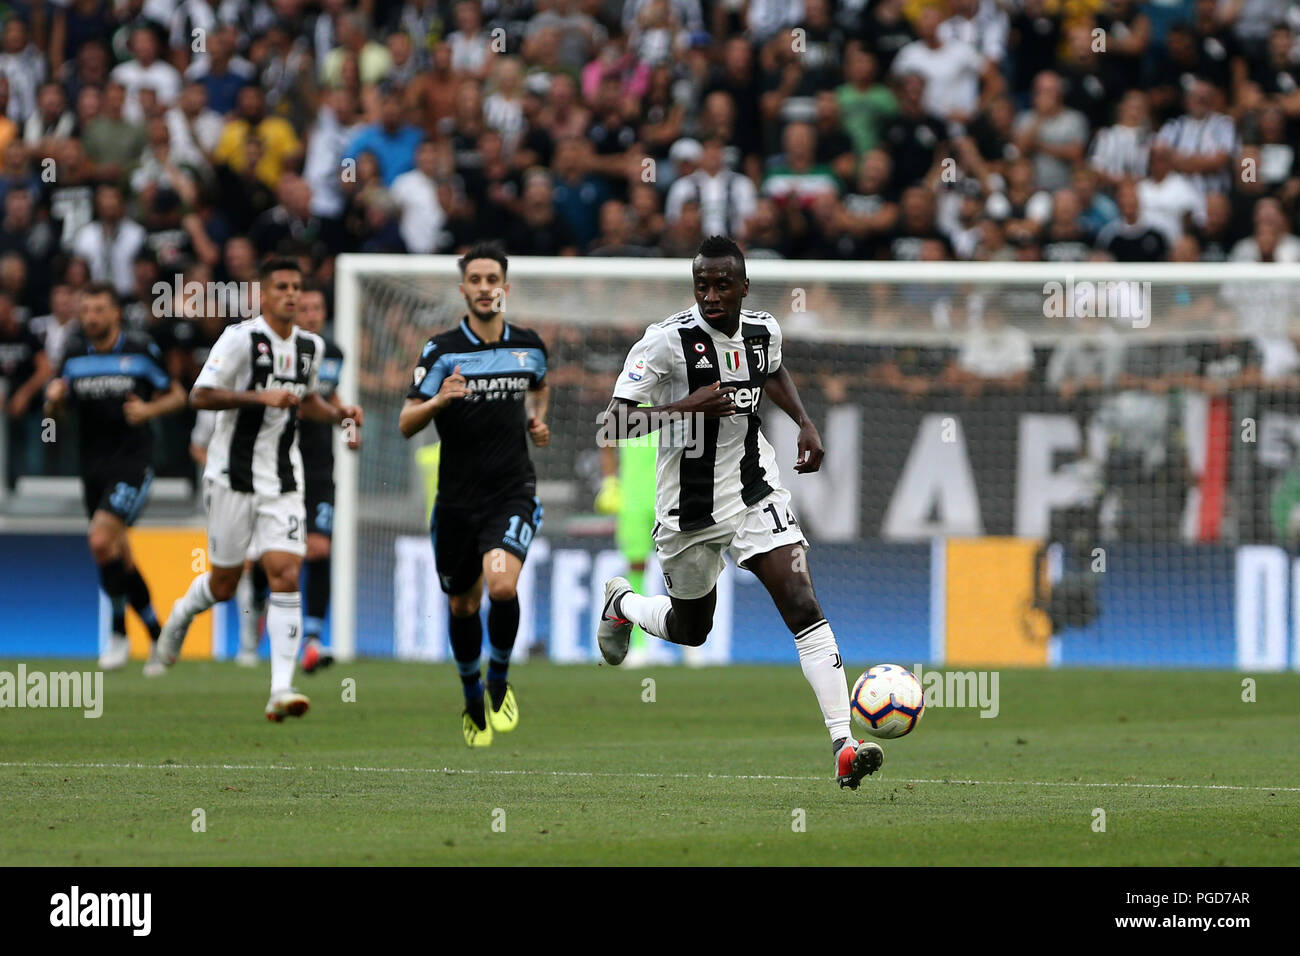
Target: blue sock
point(503, 626)
point(467, 647)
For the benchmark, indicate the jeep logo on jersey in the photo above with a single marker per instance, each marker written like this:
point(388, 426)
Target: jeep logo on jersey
point(747, 398)
point(731, 359)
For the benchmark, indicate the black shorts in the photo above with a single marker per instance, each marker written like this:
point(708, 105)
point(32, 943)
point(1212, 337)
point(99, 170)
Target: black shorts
point(120, 488)
point(319, 495)
point(461, 536)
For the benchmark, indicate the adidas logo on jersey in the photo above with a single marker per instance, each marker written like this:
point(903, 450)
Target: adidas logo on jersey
point(704, 362)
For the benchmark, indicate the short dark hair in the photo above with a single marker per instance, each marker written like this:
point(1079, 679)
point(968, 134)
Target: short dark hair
point(102, 288)
point(721, 247)
point(490, 249)
point(278, 264)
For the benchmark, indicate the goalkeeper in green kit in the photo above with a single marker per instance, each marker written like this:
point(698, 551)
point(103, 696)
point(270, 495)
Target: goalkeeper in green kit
point(627, 489)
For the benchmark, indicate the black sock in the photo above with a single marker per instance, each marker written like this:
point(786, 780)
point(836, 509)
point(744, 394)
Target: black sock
point(466, 647)
point(112, 578)
point(137, 594)
point(261, 586)
point(503, 626)
point(318, 597)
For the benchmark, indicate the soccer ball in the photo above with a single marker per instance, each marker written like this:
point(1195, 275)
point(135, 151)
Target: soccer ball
point(888, 699)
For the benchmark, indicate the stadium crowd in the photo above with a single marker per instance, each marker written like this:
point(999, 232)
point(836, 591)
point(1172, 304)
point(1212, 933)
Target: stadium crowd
point(179, 141)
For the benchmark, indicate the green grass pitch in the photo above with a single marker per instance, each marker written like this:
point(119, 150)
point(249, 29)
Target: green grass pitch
point(718, 769)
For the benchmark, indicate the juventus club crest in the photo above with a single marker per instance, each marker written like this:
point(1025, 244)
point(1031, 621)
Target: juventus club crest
point(759, 353)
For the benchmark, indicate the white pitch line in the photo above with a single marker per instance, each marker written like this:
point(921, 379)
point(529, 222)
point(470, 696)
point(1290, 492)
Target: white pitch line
point(614, 773)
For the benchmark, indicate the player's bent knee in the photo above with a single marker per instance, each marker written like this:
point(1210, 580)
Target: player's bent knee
point(462, 605)
point(223, 586)
point(501, 591)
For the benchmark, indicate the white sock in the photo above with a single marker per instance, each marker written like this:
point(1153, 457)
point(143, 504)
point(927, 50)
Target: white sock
point(819, 656)
point(195, 601)
point(648, 613)
point(284, 627)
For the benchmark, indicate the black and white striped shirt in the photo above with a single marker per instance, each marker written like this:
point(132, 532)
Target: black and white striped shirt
point(724, 465)
point(255, 449)
point(1212, 133)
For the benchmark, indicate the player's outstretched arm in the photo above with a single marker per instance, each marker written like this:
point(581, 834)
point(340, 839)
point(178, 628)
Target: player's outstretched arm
point(780, 388)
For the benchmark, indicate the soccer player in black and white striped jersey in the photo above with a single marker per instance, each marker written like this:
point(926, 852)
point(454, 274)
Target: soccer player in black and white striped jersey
point(703, 374)
point(260, 376)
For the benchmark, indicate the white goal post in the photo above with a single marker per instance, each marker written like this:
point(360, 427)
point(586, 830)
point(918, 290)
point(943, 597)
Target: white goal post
point(845, 303)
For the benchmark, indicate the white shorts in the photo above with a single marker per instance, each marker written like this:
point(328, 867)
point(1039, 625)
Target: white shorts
point(693, 560)
point(244, 525)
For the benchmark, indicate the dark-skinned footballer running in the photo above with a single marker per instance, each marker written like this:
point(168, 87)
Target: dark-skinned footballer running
point(705, 371)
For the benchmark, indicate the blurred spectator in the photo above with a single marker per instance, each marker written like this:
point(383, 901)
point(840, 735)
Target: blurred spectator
point(726, 198)
point(146, 71)
point(915, 227)
point(1168, 199)
point(391, 141)
point(1051, 135)
point(55, 328)
point(280, 146)
point(1132, 237)
point(578, 195)
point(1093, 79)
point(884, 30)
point(194, 129)
point(112, 142)
point(416, 195)
point(373, 61)
point(953, 70)
point(993, 355)
point(682, 238)
point(1120, 151)
point(222, 73)
point(290, 228)
point(796, 178)
point(1127, 31)
point(540, 231)
point(1214, 236)
point(1022, 208)
point(615, 233)
point(110, 241)
point(35, 239)
point(51, 121)
point(1271, 241)
point(1098, 208)
point(1204, 141)
point(982, 24)
point(916, 139)
point(865, 103)
point(23, 66)
point(1066, 239)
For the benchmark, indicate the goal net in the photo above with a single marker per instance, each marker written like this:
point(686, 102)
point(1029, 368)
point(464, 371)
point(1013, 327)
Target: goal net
point(1026, 464)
